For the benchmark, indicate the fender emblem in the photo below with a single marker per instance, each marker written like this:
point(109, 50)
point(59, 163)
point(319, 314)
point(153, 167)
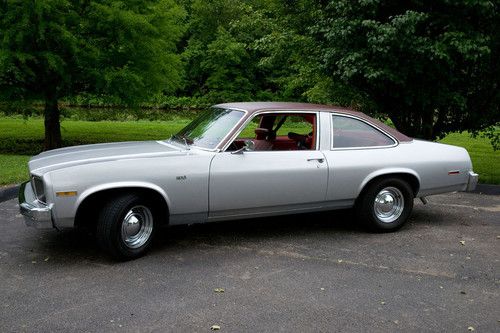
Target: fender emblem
point(181, 177)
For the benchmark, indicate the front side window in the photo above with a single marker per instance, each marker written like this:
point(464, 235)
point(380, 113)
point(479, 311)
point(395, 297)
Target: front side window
point(278, 132)
point(353, 133)
point(208, 130)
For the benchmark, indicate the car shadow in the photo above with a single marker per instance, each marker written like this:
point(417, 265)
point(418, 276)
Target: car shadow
point(258, 229)
point(74, 244)
point(339, 224)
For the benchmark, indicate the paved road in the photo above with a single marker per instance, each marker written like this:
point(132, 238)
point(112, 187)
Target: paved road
point(315, 272)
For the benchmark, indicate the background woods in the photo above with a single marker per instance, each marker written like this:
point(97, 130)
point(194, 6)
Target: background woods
point(428, 67)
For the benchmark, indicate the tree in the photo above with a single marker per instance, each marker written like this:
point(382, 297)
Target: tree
point(290, 55)
point(206, 18)
point(430, 66)
point(51, 49)
point(227, 76)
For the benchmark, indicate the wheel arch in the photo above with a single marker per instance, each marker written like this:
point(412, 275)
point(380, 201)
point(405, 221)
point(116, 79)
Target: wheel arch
point(94, 197)
point(410, 176)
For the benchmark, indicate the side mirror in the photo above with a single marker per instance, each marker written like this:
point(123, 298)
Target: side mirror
point(249, 146)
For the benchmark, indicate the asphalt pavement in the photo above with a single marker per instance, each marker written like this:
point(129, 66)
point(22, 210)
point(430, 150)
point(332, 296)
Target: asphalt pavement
point(302, 273)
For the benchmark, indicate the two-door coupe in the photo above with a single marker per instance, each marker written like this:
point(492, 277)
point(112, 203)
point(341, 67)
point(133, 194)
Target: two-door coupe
point(236, 161)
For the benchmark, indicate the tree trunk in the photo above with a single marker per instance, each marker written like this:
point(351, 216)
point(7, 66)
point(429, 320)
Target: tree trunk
point(52, 125)
point(402, 124)
point(415, 124)
point(428, 125)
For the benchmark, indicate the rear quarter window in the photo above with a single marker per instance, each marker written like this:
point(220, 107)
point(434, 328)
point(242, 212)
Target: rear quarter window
point(353, 133)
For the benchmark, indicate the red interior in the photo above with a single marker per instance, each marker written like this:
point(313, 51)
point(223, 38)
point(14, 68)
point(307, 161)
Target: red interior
point(265, 138)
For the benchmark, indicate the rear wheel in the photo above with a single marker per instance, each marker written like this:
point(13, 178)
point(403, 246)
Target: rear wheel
point(386, 204)
point(126, 226)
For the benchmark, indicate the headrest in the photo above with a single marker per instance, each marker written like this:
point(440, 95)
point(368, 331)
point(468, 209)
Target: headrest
point(309, 118)
point(261, 131)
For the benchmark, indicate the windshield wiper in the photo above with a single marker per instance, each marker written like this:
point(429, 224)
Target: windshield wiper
point(181, 138)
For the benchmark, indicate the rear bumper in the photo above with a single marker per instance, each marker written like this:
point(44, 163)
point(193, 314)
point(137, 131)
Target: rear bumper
point(36, 214)
point(472, 182)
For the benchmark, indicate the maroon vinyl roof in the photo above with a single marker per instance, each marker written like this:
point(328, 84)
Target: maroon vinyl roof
point(252, 107)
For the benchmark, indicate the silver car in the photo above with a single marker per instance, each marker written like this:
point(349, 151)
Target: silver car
point(241, 160)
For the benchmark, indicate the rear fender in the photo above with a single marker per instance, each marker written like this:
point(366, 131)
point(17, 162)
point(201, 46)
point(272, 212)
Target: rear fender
point(388, 172)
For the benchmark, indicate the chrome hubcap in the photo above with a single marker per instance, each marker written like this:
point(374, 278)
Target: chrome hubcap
point(137, 226)
point(389, 204)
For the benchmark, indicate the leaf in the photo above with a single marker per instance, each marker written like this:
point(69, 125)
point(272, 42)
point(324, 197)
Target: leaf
point(215, 327)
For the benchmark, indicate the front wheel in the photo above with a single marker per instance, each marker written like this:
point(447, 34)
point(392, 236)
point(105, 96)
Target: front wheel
point(126, 226)
point(386, 204)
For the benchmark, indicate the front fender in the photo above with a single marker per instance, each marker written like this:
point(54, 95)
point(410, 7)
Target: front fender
point(116, 185)
point(65, 208)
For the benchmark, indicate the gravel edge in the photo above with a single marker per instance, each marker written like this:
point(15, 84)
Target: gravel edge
point(9, 192)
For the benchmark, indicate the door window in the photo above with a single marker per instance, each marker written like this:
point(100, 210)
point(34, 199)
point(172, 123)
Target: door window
point(278, 132)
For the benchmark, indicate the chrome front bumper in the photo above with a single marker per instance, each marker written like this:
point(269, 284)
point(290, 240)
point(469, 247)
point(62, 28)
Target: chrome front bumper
point(36, 214)
point(472, 182)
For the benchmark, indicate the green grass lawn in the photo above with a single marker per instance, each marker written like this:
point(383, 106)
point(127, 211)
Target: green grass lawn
point(485, 160)
point(20, 138)
point(13, 169)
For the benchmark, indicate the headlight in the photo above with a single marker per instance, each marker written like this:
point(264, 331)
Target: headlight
point(39, 188)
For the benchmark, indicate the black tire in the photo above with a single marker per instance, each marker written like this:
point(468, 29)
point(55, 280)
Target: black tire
point(109, 226)
point(372, 217)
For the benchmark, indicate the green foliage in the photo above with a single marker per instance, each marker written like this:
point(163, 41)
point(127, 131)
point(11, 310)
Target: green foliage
point(37, 46)
point(123, 49)
point(52, 49)
point(133, 45)
point(206, 18)
point(25, 137)
point(430, 67)
point(491, 133)
point(226, 77)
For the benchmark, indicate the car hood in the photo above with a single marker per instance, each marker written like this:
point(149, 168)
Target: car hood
point(79, 155)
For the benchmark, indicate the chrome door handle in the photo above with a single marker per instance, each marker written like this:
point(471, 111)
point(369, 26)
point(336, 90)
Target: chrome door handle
point(319, 159)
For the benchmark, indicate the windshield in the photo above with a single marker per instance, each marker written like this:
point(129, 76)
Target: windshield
point(208, 130)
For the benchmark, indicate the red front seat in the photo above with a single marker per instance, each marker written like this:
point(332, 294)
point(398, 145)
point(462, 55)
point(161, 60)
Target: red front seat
point(261, 142)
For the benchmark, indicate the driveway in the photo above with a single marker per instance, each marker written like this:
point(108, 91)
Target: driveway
point(302, 273)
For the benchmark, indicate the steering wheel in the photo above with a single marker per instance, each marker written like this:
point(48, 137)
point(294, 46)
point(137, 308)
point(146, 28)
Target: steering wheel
point(299, 139)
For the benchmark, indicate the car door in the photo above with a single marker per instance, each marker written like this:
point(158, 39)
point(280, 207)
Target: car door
point(266, 182)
